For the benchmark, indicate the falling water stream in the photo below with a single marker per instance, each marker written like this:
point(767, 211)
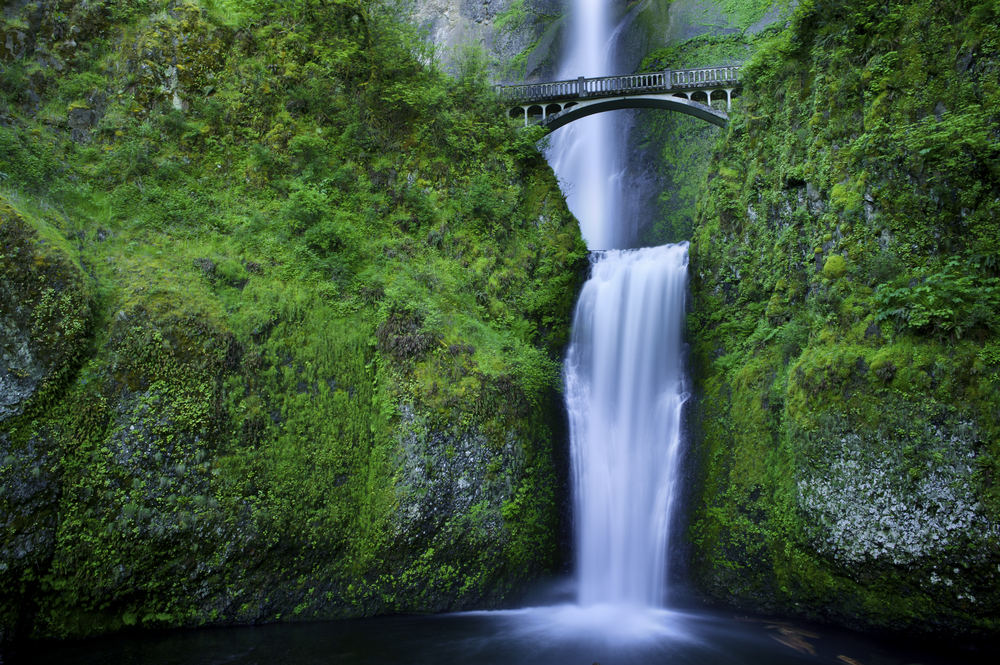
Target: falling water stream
point(582, 153)
point(623, 371)
point(624, 392)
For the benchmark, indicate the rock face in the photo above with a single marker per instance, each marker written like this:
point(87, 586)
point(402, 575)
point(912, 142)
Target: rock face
point(523, 36)
point(665, 155)
point(20, 372)
point(44, 312)
point(45, 321)
point(847, 420)
point(29, 494)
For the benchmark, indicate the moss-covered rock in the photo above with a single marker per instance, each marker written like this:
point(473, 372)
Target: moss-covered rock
point(331, 295)
point(45, 320)
point(45, 314)
point(844, 325)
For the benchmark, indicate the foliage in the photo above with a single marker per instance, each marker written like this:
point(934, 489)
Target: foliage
point(844, 318)
point(951, 302)
point(748, 12)
point(308, 247)
point(512, 18)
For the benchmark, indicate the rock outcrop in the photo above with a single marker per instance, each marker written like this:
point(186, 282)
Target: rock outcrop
point(522, 36)
point(45, 312)
point(844, 273)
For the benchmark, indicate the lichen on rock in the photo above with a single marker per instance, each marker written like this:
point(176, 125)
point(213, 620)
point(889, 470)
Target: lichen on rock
point(869, 504)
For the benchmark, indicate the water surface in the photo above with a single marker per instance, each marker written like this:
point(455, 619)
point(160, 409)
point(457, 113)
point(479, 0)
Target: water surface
point(556, 635)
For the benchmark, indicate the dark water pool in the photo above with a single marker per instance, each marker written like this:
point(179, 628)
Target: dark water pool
point(553, 635)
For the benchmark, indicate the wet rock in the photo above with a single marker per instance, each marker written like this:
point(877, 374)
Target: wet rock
point(445, 474)
point(44, 312)
point(939, 111)
point(813, 193)
point(29, 496)
point(20, 370)
point(29, 492)
point(81, 120)
point(14, 44)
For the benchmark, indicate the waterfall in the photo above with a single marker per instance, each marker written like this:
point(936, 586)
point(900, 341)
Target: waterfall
point(582, 153)
point(624, 393)
point(623, 371)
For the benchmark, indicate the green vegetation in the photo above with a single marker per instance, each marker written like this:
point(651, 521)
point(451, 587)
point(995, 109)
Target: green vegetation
point(682, 144)
point(845, 323)
point(299, 338)
point(747, 12)
point(511, 19)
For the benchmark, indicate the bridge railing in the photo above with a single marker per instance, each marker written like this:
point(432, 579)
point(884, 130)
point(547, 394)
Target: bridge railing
point(553, 90)
point(632, 83)
point(704, 77)
point(607, 86)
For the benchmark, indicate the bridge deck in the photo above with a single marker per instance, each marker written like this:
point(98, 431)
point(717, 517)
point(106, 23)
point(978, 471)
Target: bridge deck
point(681, 80)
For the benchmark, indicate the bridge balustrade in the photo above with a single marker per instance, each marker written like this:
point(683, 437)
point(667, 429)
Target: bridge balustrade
point(695, 78)
point(612, 85)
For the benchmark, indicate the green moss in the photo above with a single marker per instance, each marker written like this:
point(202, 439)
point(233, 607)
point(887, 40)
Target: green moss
point(512, 18)
point(319, 274)
point(835, 266)
point(842, 317)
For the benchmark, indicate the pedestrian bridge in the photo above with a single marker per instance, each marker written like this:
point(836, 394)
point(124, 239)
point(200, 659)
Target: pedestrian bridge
point(703, 93)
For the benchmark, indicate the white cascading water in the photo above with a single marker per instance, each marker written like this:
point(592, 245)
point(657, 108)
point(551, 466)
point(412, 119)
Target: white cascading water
point(582, 152)
point(624, 393)
point(624, 390)
point(623, 373)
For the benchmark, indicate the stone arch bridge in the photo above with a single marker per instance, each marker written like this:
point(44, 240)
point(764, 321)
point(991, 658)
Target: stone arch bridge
point(703, 93)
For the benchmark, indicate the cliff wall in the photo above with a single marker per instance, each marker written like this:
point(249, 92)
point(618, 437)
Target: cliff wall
point(667, 154)
point(522, 37)
point(282, 311)
point(845, 321)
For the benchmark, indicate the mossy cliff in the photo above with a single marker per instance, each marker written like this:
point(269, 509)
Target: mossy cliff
point(846, 323)
point(669, 153)
point(522, 37)
point(282, 307)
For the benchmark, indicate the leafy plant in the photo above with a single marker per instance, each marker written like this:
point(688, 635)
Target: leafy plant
point(948, 302)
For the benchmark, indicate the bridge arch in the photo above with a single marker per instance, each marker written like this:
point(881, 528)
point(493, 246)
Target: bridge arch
point(665, 102)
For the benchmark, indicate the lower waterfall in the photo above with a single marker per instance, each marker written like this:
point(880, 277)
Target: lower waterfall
point(624, 392)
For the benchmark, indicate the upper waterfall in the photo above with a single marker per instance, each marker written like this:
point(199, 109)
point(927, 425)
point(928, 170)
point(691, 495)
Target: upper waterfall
point(582, 155)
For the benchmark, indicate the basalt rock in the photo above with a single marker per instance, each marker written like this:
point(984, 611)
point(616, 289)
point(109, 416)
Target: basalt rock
point(847, 437)
point(45, 312)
